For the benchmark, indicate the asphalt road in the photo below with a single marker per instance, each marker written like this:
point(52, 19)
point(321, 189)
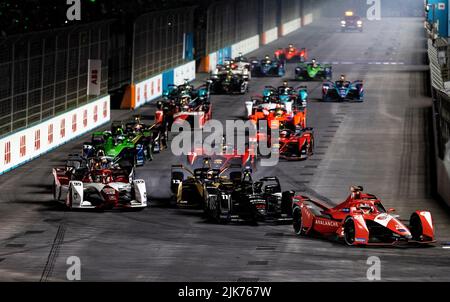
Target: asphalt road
point(382, 144)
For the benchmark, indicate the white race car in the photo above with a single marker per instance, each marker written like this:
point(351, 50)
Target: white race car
point(79, 187)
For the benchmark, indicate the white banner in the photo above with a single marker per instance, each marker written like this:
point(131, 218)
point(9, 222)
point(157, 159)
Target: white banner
point(94, 77)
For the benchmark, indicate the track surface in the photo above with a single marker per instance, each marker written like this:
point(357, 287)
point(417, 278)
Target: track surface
point(382, 144)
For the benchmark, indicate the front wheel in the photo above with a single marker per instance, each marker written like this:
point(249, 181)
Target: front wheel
point(416, 228)
point(349, 231)
point(298, 221)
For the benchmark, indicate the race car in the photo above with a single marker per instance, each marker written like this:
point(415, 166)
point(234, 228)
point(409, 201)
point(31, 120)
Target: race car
point(351, 22)
point(248, 201)
point(189, 186)
point(267, 67)
point(186, 104)
point(79, 186)
point(152, 137)
point(175, 93)
point(313, 71)
point(361, 220)
point(296, 144)
point(343, 90)
point(242, 62)
point(121, 146)
point(285, 97)
point(239, 65)
point(291, 54)
point(225, 81)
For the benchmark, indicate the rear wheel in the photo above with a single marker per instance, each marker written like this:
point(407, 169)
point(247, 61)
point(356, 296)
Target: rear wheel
point(416, 228)
point(55, 197)
point(349, 231)
point(297, 221)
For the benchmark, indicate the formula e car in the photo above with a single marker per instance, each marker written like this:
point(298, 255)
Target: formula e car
point(193, 107)
point(343, 90)
point(360, 220)
point(291, 54)
point(290, 99)
point(351, 22)
point(79, 186)
point(296, 144)
point(240, 65)
point(267, 67)
point(105, 144)
point(225, 81)
point(313, 71)
point(248, 201)
point(189, 186)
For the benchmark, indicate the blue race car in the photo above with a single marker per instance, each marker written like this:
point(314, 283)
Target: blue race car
point(286, 94)
point(343, 90)
point(267, 67)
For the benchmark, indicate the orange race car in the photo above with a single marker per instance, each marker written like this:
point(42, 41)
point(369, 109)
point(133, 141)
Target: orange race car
point(291, 54)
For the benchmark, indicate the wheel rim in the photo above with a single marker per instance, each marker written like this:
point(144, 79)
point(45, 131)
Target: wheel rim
point(349, 232)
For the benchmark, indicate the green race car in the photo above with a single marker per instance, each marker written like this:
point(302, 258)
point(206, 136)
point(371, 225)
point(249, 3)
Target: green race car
point(134, 147)
point(312, 71)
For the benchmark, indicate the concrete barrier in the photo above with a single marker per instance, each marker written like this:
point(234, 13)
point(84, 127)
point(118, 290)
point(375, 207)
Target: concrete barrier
point(25, 145)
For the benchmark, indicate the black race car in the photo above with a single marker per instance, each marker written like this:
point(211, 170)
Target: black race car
point(228, 82)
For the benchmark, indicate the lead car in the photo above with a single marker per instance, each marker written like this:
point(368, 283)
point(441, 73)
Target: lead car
point(361, 220)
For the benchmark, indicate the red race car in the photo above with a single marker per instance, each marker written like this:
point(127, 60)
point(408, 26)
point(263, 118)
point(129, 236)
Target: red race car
point(291, 54)
point(361, 220)
point(296, 141)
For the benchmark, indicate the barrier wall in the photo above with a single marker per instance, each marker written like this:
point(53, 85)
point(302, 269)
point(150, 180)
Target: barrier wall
point(28, 144)
point(291, 26)
point(269, 36)
point(245, 46)
point(307, 19)
point(152, 88)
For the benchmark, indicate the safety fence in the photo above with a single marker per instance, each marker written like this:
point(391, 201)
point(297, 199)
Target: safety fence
point(46, 73)
point(438, 54)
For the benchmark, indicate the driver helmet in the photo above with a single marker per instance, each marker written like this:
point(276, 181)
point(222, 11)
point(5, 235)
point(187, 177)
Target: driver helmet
point(210, 175)
point(120, 139)
point(104, 163)
point(267, 59)
point(279, 112)
point(97, 178)
point(314, 62)
point(100, 153)
point(365, 208)
point(185, 100)
point(342, 78)
point(283, 134)
point(138, 127)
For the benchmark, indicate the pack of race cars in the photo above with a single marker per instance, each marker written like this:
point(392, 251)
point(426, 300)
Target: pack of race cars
point(223, 185)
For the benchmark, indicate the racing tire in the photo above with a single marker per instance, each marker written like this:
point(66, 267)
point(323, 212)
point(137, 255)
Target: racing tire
point(56, 198)
point(349, 231)
point(311, 148)
point(297, 221)
point(415, 226)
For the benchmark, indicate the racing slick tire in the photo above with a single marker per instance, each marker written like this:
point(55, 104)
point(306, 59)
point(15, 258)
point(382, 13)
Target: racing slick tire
point(349, 231)
point(297, 221)
point(56, 195)
point(415, 226)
